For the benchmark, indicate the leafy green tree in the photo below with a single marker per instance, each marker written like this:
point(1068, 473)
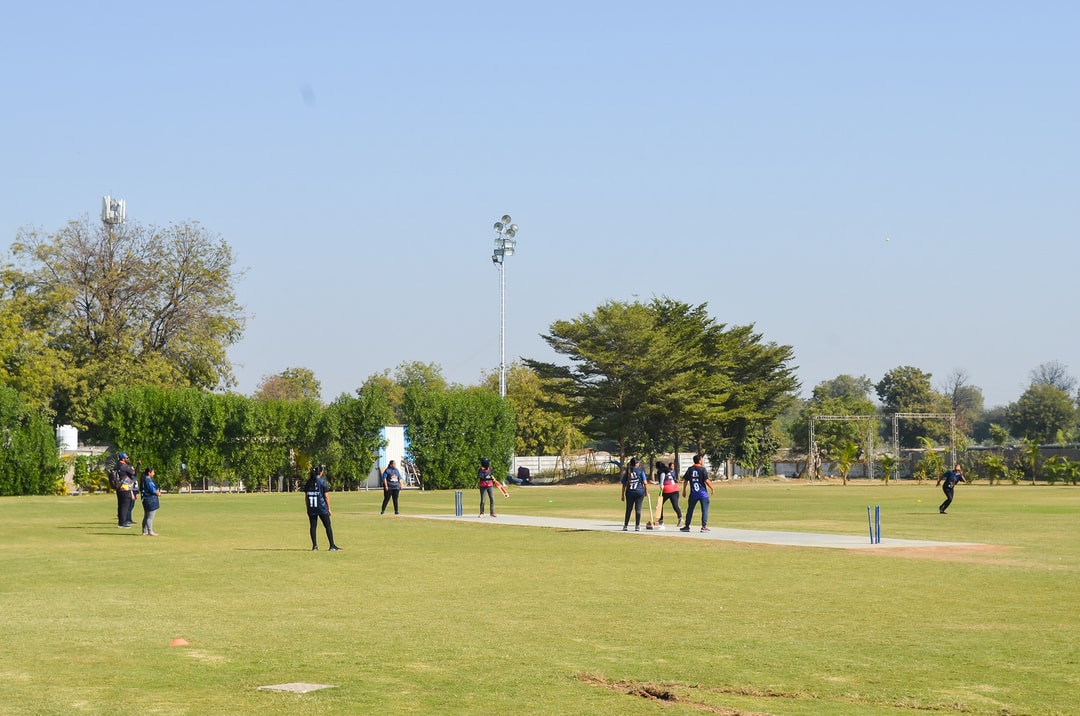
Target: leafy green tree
point(607, 386)
point(130, 305)
point(664, 375)
point(349, 432)
point(762, 386)
point(908, 390)
point(450, 430)
point(290, 384)
point(998, 435)
point(843, 395)
point(541, 428)
point(997, 415)
point(409, 374)
point(29, 460)
point(1041, 412)
point(29, 363)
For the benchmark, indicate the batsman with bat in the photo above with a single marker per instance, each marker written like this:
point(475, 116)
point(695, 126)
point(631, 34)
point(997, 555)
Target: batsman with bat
point(486, 483)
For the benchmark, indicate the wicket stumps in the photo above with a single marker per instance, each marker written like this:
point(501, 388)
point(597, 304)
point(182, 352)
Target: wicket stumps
point(875, 524)
point(458, 506)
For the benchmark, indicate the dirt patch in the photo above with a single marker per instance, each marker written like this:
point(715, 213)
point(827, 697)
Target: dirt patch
point(682, 694)
point(984, 553)
point(661, 692)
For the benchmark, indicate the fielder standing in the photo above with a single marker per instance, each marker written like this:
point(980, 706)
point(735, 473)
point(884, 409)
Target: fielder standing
point(697, 481)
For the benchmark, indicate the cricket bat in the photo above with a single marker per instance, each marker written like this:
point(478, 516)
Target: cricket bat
point(501, 488)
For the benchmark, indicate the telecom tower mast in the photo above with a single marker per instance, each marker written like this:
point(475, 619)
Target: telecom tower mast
point(113, 211)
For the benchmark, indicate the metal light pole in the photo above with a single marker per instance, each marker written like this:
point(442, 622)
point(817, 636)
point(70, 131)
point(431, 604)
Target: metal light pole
point(504, 246)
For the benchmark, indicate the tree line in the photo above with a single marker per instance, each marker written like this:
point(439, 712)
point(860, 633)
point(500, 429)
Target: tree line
point(123, 331)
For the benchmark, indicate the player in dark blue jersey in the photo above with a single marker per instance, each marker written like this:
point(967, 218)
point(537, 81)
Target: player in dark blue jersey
point(391, 485)
point(124, 499)
point(634, 488)
point(318, 507)
point(951, 478)
point(697, 481)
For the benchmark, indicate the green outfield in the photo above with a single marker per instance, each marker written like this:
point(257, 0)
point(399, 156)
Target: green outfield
point(432, 617)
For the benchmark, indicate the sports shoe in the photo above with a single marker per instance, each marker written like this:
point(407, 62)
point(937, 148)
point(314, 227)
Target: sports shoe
point(335, 549)
point(706, 529)
point(680, 522)
point(637, 529)
point(315, 549)
point(684, 529)
point(153, 534)
point(494, 515)
point(625, 528)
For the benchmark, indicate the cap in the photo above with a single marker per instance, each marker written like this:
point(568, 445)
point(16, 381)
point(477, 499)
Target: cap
point(122, 456)
point(484, 462)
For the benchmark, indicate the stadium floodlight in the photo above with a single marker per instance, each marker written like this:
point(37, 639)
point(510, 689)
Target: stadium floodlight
point(504, 246)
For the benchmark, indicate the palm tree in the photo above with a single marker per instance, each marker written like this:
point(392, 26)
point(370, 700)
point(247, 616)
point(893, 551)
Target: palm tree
point(888, 464)
point(1031, 452)
point(848, 452)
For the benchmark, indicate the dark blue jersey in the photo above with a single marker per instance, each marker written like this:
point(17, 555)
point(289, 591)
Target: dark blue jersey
point(695, 476)
point(392, 478)
point(635, 481)
point(950, 478)
point(315, 496)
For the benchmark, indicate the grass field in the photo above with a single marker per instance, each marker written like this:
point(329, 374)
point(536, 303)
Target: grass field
point(432, 617)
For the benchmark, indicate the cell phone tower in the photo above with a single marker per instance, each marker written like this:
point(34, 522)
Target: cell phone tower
point(113, 211)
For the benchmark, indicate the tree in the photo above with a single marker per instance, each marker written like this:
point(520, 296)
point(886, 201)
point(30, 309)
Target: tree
point(606, 387)
point(966, 400)
point(29, 461)
point(848, 453)
point(350, 432)
point(843, 395)
point(290, 384)
point(908, 390)
point(543, 427)
point(1054, 374)
point(889, 463)
point(932, 464)
point(423, 375)
point(450, 430)
point(126, 305)
point(28, 362)
point(1041, 412)
point(664, 375)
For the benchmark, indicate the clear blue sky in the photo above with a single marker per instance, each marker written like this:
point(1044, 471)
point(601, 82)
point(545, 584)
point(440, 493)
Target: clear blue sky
point(755, 156)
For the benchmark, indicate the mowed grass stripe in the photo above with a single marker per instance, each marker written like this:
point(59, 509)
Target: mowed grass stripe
point(429, 617)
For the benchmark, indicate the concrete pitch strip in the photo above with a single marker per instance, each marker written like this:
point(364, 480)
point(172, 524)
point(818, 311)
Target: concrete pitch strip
point(296, 687)
point(721, 534)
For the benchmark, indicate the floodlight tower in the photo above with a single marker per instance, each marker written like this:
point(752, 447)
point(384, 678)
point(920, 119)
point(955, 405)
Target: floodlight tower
point(113, 211)
point(504, 246)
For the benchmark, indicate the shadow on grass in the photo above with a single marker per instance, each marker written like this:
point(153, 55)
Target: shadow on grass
point(277, 549)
